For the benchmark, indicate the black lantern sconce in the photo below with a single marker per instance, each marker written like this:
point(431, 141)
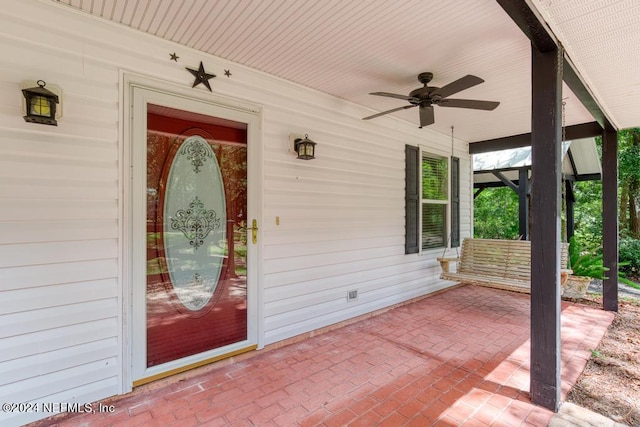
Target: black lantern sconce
point(305, 148)
point(40, 105)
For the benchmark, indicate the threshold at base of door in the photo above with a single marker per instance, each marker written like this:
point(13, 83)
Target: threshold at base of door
point(171, 372)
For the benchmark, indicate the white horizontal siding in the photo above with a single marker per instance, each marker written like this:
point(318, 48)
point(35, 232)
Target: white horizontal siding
point(60, 301)
point(333, 311)
point(334, 246)
point(341, 216)
point(53, 339)
point(54, 274)
point(61, 380)
point(65, 358)
point(368, 279)
point(57, 252)
point(65, 229)
point(96, 378)
point(28, 299)
point(41, 366)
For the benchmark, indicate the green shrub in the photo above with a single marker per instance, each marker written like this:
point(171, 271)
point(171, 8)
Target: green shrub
point(585, 262)
point(588, 262)
point(629, 255)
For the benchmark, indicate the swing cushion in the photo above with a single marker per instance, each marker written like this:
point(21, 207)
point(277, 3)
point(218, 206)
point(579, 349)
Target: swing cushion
point(504, 264)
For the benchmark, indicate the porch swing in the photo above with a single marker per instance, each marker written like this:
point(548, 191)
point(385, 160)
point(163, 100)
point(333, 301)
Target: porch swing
point(498, 263)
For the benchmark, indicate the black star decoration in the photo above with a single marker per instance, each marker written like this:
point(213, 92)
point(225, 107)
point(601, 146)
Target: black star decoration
point(227, 73)
point(201, 76)
point(174, 57)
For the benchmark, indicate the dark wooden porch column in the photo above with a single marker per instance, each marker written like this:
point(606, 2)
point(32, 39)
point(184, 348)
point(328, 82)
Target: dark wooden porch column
point(569, 199)
point(523, 203)
point(546, 120)
point(610, 217)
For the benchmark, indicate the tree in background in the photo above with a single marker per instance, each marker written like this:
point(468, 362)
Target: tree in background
point(629, 192)
point(588, 213)
point(629, 182)
point(495, 214)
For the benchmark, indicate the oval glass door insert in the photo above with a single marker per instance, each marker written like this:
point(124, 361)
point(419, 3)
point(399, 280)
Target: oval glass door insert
point(195, 223)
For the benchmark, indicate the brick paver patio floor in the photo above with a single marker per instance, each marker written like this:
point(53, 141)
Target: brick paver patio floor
point(460, 357)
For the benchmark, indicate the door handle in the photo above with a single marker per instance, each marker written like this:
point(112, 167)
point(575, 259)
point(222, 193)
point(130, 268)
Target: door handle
point(254, 231)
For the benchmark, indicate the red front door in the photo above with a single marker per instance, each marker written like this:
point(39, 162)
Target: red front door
point(196, 287)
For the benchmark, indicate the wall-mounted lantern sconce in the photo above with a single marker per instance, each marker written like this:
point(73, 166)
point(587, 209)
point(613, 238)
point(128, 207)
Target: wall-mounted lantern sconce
point(305, 148)
point(40, 105)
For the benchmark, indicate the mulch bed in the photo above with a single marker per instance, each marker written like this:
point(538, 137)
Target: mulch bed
point(610, 383)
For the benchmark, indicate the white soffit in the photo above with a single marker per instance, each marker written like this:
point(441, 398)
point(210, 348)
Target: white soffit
point(350, 48)
point(507, 159)
point(602, 38)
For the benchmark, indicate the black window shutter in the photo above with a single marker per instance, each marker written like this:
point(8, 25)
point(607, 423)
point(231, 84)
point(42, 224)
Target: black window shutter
point(455, 202)
point(412, 199)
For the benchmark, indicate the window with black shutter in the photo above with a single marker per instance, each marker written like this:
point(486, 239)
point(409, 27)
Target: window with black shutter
point(428, 194)
point(455, 202)
point(412, 199)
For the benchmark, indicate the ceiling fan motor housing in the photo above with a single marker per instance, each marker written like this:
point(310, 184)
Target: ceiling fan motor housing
point(421, 94)
point(425, 78)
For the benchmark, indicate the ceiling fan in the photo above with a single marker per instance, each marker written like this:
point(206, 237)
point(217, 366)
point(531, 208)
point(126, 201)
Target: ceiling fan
point(427, 96)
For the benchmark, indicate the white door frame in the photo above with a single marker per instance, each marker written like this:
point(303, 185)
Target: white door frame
point(138, 91)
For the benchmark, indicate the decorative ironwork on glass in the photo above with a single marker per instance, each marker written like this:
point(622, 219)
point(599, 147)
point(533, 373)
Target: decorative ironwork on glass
point(198, 294)
point(196, 222)
point(197, 152)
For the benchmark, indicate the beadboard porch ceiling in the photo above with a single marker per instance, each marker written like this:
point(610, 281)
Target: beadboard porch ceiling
point(350, 48)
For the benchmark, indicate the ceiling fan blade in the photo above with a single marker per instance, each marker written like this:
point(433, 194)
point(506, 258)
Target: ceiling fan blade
point(458, 86)
point(469, 103)
point(426, 116)
point(393, 95)
point(388, 111)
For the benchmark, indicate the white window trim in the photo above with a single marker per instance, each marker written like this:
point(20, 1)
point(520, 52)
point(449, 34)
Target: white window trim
point(425, 152)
